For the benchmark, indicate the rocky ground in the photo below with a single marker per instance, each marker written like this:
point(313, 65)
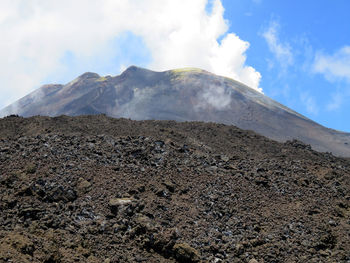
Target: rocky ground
point(97, 189)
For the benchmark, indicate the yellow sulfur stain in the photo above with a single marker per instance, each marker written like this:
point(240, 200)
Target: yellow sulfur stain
point(185, 70)
point(179, 74)
point(101, 79)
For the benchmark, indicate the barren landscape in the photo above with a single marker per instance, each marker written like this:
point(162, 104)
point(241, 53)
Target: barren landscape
point(99, 189)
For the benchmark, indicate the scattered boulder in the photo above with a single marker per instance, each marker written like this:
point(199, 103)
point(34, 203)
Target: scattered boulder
point(144, 224)
point(115, 204)
point(83, 185)
point(30, 168)
point(185, 253)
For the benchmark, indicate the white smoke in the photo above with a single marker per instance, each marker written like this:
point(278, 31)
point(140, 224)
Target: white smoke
point(217, 97)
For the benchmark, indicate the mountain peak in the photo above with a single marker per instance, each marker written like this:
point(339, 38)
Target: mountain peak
point(135, 73)
point(89, 75)
point(185, 94)
point(133, 69)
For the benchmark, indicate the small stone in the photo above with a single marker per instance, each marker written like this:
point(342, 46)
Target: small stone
point(257, 242)
point(5, 149)
point(140, 188)
point(239, 249)
point(253, 260)
point(30, 169)
point(213, 168)
point(83, 185)
point(83, 251)
point(323, 253)
point(332, 223)
point(119, 201)
point(170, 186)
point(115, 203)
point(224, 158)
point(117, 227)
point(144, 223)
point(185, 253)
point(93, 259)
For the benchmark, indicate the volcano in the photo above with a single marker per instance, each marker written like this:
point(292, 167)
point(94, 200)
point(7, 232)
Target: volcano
point(188, 94)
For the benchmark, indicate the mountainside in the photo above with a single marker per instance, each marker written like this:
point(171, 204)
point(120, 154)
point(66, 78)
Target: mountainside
point(181, 95)
point(98, 189)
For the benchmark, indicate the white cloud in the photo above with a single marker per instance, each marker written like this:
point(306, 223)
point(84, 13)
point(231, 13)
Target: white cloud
point(334, 67)
point(281, 51)
point(336, 102)
point(309, 103)
point(35, 36)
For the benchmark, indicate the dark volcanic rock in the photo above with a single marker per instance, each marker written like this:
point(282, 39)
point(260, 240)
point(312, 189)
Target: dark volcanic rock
point(97, 189)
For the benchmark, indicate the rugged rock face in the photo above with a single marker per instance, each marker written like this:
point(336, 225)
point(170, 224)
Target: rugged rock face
point(97, 189)
point(181, 95)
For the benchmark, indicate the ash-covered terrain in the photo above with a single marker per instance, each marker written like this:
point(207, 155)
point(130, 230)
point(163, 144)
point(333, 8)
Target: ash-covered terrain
point(98, 189)
point(187, 94)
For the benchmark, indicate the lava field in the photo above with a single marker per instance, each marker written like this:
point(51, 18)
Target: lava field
point(98, 189)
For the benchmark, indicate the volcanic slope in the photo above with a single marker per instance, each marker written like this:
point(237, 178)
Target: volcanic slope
point(181, 95)
point(98, 189)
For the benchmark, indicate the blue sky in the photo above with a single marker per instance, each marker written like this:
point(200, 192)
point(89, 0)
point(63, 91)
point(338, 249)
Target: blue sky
point(296, 52)
point(308, 29)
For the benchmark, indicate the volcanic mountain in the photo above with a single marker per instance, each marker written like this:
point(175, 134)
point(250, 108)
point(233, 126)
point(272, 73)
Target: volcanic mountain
point(182, 95)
